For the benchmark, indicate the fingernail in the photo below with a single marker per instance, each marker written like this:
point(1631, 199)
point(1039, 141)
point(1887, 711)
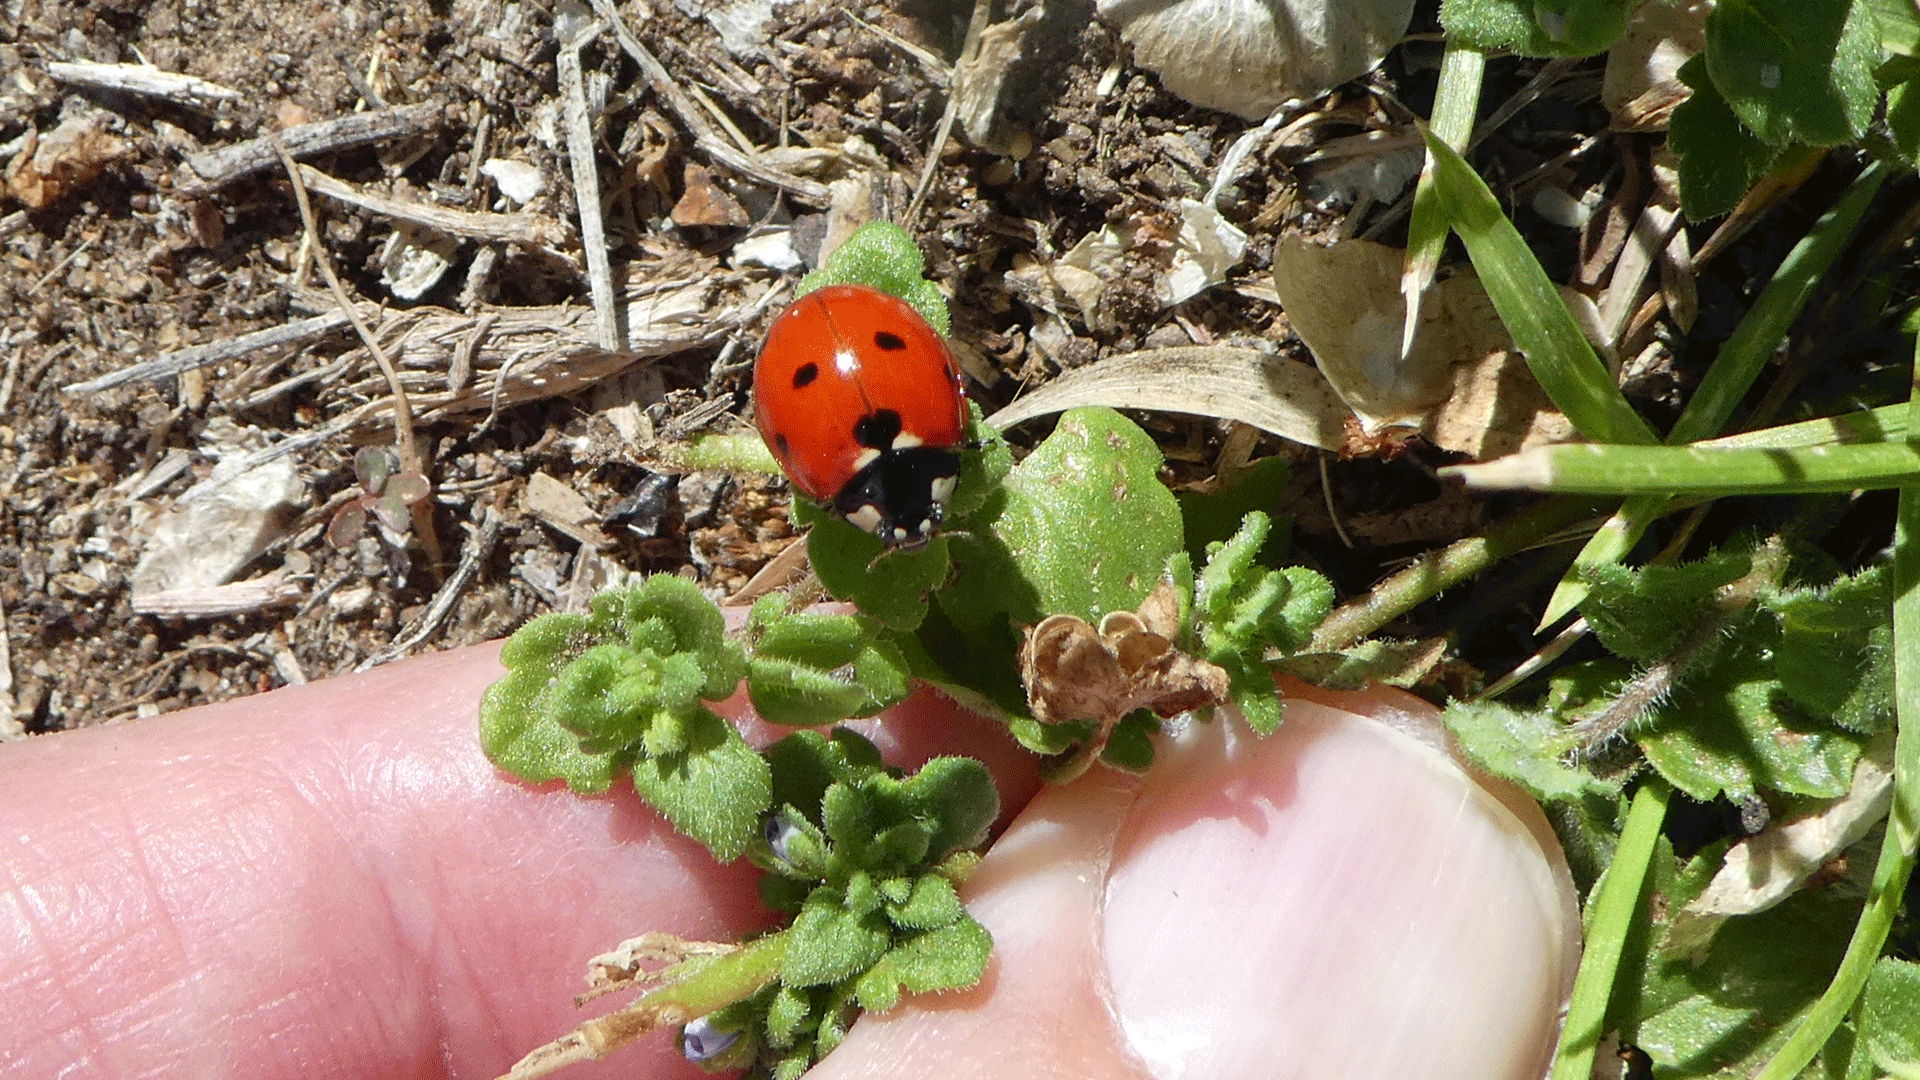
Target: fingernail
point(1340, 900)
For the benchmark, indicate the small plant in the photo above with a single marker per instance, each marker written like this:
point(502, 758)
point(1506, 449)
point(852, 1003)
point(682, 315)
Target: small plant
point(387, 497)
point(863, 859)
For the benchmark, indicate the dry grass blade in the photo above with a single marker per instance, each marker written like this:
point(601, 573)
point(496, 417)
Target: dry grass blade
point(1290, 400)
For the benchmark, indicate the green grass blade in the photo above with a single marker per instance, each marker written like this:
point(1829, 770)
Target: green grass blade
point(1617, 902)
point(1741, 360)
point(1455, 101)
point(1664, 471)
point(1530, 306)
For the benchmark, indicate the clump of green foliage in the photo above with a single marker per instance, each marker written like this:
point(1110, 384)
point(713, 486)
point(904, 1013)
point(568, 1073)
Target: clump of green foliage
point(862, 858)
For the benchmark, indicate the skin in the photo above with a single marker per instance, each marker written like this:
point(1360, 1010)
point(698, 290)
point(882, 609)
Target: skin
point(330, 880)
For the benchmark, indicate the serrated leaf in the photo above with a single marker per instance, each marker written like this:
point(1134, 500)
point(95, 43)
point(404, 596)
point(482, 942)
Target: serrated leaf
point(715, 791)
point(1527, 747)
point(931, 905)
point(829, 943)
point(1834, 653)
point(1794, 71)
point(1087, 523)
point(1888, 1008)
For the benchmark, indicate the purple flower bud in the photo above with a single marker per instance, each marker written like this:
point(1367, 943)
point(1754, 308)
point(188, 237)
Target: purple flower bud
point(700, 1041)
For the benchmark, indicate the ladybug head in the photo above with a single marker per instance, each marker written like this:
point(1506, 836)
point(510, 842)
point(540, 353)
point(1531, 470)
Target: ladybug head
point(901, 494)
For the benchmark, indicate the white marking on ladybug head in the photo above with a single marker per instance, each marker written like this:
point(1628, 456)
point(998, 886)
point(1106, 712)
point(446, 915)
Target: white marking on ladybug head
point(907, 440)
point(866, 517)
point(942, 489)
point(846, 362)
point(865, 458)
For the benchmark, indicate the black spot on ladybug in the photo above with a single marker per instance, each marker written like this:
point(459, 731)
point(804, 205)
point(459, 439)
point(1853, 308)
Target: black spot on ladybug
point(780, 445)
point(806, 374)
point(877, 429)
point(888, 342)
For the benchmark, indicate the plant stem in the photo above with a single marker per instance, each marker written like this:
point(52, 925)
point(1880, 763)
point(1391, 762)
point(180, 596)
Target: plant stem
point(1432, 573)
point(1616, 903)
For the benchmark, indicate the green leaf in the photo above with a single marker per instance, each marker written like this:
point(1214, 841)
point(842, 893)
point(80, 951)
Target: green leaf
point(1903, 121)
point(931, 905)
point(1528, 747)
point(613, 697)
point(950, 958)
point(1888, 1012)
point(1719, 157)
point(881, 255)
point(1794, 71)
point(714, 791)
point(1048, 740)
point(1536, 27)
point(1834, 656)
point(808, 670)
point(1213, 517)
point(1726, 1014)
point(1531, 308)
point(789, 1016)
point(1087, 523)
point(1696, 470)
point(806, 762)
point(516, 730)
point(830, 943)
point(957, 797)
point(888, 586)
point(1723, 731)
point(1646, 614)
point(1130, 746)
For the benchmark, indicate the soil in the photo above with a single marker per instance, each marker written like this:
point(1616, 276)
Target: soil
point(133, 258)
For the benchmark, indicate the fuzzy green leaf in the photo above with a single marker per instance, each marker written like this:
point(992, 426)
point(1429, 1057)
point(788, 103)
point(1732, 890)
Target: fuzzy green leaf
point(1646, 613)
point(1834, 656)
point(931, 905)
point(1794, 71)
point(1888, 1011)
point(889, 587)
point(789, 1016)
point(613, 697)
point(881, 255)
point(956, 796)
point(1536, 27)
point(1087, 523)
point(829, 943)
point(714, 791)
point(950, 958)
point(517, 732)
point(1723, 731)
point(807, 670)
point(1048, 739)
point(1527, 747)
point(806, 762)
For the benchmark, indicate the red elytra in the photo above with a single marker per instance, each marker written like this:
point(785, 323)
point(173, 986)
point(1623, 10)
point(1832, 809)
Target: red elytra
point(860, 401)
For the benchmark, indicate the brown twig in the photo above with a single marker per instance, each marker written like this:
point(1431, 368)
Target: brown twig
point(217, 168)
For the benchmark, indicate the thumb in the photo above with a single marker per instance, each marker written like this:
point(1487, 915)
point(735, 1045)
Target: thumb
point(1337, 900)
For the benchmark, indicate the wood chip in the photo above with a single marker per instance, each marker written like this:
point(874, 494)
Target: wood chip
point(563, 509)
point(145, 80)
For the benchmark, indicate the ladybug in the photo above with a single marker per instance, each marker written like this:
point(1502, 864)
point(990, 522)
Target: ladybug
point(860, 401)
